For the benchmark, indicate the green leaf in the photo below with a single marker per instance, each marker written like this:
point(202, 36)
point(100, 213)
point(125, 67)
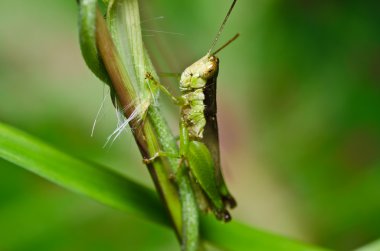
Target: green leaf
point(92, 180)
point(123, 19)
point(373, 246)
point(117, 191)
point(87, 39)
point(238, 236)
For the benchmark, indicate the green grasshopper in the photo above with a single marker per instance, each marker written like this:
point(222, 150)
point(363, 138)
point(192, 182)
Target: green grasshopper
point(199, 144)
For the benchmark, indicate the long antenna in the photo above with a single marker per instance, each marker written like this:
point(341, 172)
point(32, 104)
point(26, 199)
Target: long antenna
point(227, 43)
point(222, 26)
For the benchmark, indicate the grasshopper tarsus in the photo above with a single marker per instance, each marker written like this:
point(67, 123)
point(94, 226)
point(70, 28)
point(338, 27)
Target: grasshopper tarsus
point(230, 201)
point(150, 160)
point(223, 215)
point(158, 155)
point(227, 217)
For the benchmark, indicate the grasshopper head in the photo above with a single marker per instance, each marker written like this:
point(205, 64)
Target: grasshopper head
point(196, 75)
point(211, 66)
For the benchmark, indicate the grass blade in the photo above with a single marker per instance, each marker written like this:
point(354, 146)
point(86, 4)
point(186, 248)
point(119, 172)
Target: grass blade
point(238, 236)
point(373, 246)
point(117, 191)
point(87, 39)
point(92, 180)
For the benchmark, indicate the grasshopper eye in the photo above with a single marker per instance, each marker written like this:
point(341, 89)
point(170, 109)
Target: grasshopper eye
point(210, 70)
point(211, 67)
point(213, 58)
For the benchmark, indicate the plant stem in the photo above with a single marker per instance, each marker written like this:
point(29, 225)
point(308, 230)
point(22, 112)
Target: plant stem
point(144, 134)
point(190, 214)
point(151, 137)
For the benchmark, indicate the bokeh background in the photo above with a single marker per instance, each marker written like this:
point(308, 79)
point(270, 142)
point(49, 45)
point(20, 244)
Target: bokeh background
point(299, 112)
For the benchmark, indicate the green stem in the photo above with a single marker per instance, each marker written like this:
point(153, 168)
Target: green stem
point(144, 135)
point(190, 214)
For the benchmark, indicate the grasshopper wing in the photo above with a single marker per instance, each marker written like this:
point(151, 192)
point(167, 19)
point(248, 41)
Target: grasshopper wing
point(202, 167)
point(211, 137)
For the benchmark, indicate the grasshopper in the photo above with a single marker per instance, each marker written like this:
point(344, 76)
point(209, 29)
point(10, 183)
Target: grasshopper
point(198, 139)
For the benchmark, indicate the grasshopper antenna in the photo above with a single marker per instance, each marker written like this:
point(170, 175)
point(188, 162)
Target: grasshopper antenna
point(227, 43)
point(222, 27)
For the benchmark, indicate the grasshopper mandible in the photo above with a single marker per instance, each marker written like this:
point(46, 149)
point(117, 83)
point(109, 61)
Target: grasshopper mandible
point(199, 144)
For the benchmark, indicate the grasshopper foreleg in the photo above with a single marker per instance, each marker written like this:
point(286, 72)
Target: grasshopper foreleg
point(160, 154)
point(176, 100)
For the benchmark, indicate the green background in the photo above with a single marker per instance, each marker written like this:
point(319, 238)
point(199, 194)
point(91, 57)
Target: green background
point(299, 114)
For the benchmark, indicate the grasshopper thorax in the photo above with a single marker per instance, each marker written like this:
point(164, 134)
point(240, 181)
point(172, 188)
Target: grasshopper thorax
point(193, 81)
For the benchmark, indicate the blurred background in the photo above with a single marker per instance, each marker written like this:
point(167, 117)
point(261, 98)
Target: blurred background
point(299, 115)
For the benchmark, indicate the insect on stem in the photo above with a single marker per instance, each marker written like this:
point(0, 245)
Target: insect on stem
point(198, 139)
point(222, 27)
